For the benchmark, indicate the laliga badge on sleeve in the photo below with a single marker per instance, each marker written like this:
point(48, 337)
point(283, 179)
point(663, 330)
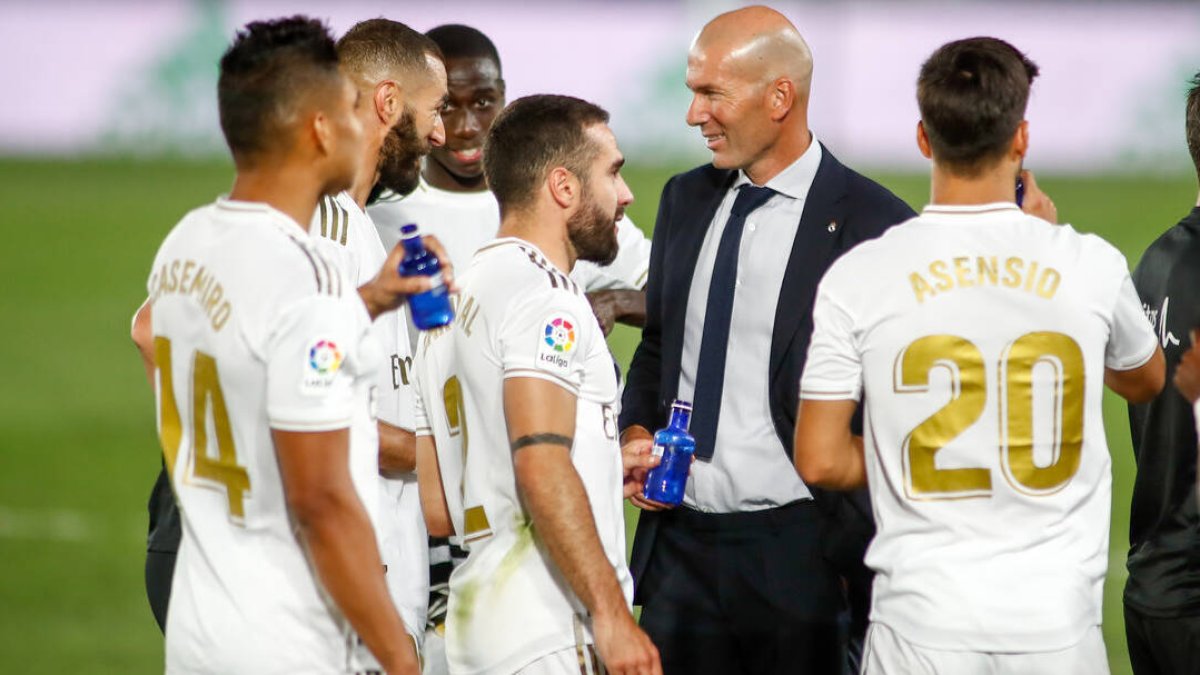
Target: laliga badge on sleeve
point(323, 359)
point(557, 343)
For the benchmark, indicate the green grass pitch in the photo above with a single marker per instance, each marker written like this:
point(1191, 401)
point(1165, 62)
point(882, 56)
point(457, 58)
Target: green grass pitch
point(77, 444)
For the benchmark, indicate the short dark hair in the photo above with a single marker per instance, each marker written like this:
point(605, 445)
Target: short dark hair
point(532, 136)
point(268, 70)
point(463, 42)
point(972, 94)
point(384, 45)
point(1192, 126)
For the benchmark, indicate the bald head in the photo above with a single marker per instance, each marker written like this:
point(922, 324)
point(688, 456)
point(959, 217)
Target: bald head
point(758, 44)
point(750, 73)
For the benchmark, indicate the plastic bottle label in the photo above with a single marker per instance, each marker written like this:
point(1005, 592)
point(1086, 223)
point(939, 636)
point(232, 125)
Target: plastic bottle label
point(659, 450)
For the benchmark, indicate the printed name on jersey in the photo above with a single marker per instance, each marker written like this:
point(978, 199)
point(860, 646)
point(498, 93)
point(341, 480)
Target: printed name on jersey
point(557, 343)
point(324, 360)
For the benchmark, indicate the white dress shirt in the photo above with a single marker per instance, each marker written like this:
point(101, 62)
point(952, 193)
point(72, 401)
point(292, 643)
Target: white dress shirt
point(750, 469)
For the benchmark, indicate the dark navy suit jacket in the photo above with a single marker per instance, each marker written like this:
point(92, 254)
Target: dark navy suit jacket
point(842, 209)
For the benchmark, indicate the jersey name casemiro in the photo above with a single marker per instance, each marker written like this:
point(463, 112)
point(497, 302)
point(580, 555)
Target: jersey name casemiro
point(979, 337)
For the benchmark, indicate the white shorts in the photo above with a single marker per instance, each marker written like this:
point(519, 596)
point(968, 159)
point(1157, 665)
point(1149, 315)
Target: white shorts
point(572, 661)
point(433, 656)
point(887, 653)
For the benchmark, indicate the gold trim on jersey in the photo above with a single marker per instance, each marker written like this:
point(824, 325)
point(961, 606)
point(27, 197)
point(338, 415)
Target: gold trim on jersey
point(476, 525)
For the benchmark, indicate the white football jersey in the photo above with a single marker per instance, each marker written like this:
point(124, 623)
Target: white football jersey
point(254, 329)
point(344, 230)
point(978, 338)
point(465, 221)
point(516, 316)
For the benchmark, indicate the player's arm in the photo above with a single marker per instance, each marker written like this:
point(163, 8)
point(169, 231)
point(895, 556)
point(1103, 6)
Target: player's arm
point(429, 486)
point(618, 306)
point(825, 451)
point(1127, 370)
point(388, 290)
point(541, 427)
point(333, 526)
point(397, 451)
point(1141, 384)
point(142, 334)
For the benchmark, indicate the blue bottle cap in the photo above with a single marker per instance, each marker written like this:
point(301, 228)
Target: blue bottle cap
point(408, 231)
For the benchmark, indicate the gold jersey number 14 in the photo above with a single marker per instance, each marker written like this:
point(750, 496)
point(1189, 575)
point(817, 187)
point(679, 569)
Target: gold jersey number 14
point(969, 391)
point(223, 471)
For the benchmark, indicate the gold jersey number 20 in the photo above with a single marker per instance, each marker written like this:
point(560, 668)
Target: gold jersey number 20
point(222, 471)
point(968, 376)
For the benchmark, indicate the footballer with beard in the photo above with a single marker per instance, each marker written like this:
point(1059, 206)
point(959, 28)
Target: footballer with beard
point(537, 495)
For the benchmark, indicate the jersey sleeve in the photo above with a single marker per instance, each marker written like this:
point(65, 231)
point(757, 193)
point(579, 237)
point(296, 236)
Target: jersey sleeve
point(546, 336)
point(1131, 340)
point(833, 370)
point(309, 387)
point(627, 272)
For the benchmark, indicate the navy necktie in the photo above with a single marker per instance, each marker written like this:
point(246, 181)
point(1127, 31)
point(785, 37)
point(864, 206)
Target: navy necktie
point(710, 368)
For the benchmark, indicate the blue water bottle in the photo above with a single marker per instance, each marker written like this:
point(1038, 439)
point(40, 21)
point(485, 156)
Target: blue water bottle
point(430, 309)
point(665, 482)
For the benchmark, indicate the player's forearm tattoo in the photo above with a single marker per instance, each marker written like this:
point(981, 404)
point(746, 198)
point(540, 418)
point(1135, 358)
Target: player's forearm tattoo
point(542, 439)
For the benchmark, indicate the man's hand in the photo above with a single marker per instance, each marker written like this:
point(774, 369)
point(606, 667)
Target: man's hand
point(623, 648)
point(388, 290)
point(1187, 374)
point(612, 307)
point(1037, 203)
point(637, 458)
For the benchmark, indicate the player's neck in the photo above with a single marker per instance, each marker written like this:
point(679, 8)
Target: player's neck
point(791, 146)
point(360, 192)
point(293, 190)
point(436, 175)
point(368, 173)
point(987, 188)
point(538, 230)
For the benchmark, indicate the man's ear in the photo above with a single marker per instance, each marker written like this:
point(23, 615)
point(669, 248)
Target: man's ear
point(388, 102)
point(923, 141)
point(322, 133)
point(564, 186)
point(1020, 141)
point(781, 98)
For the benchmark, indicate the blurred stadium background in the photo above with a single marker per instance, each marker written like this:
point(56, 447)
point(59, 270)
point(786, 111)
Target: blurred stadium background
point(108, 135)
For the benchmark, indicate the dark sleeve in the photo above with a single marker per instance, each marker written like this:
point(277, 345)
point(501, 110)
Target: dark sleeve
point(640, 402)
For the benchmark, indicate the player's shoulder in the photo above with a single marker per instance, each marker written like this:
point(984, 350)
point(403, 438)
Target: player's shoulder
point(1179, 243)
point(519, 266)
point(389, 200)
point(282, 257)
point(335, 219)
point(1092, 249)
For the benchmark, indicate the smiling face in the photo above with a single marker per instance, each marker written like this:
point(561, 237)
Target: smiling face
point(418, 131)
point(476, 96)
point(729, 105)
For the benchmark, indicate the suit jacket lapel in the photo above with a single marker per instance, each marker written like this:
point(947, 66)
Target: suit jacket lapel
point(811, 249)
point(691, 223)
